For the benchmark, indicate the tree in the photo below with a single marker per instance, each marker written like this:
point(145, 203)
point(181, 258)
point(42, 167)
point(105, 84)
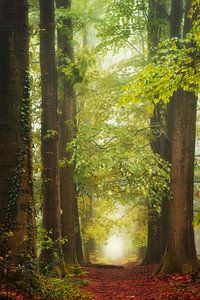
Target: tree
point(17, 224)
point(180, 253)
point(79, 247)
point(163, 77)
point(157, 29)
point(152, 19)
point(174, 73)
point(51, 256)
point(67, 123)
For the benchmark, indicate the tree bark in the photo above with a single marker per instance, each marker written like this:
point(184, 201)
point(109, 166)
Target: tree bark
point(51, 257)
point(153, 253)
point(156, 32)
point(89, 245)
point(180, 254)
point(175, 31)
point(17, 223)
point(67, 126)
point(176, 18)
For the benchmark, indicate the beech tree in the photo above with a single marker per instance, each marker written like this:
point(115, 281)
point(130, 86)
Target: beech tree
point(51, 256)
point(157, 29)
point(165, 69)
point(180, 253)
point(67, 126)
point(17, 224)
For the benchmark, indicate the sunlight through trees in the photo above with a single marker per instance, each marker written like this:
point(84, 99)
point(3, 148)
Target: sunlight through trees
point(99, 118)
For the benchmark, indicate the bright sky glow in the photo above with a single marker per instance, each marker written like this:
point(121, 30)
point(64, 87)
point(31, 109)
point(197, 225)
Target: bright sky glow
point(114, 249)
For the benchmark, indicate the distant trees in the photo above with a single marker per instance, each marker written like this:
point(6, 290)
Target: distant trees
point(17, 224)
point(164, 78)
point(117, 154)
point(167, 78)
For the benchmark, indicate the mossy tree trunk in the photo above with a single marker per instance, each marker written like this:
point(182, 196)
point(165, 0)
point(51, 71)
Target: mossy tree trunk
point(51, 256)
point(17, 223)
point(180, 253)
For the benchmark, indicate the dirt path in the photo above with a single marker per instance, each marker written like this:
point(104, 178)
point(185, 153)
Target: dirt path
point(139, 283)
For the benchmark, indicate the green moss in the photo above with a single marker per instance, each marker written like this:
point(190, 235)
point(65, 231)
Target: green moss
point(173, 264)
point(14, 189)
point(26, 264)
point(51, 260)
point(66, 288)
point(25, 110)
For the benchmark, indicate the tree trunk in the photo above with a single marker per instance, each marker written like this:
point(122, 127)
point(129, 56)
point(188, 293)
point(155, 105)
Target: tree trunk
point(89, 250)
point(176, 18)
point(17, 223)
point(51, 257)
point(175, 31)
point(153, 254)
point(79, 247)
point(89, 245)
point(180, 254)
point(67, 108)
point(157, 23)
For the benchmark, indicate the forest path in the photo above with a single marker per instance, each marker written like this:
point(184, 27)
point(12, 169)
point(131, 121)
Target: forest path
point(139, 283)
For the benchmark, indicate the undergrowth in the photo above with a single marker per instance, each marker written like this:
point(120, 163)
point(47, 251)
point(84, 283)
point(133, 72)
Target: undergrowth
point(68, 288)
point(51, 288)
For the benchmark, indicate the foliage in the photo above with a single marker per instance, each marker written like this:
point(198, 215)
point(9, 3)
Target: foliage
point(67, 288)
point(114, 162)
point(123, 20)
point(21, 277)
point(175, 66)
point(46, 242)
point(80, 18)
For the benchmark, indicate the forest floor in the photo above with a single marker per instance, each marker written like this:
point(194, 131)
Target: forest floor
point(140, 283)
point(128, 282)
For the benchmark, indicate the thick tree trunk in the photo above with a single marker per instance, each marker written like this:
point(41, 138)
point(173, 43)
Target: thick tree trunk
point(17, 225)
point(175, 31)
point(180, 254)
point(49, 135)
point(67, 108)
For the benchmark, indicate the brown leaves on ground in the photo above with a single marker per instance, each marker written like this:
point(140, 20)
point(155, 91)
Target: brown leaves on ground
point(132, 283)
point(140, 283)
